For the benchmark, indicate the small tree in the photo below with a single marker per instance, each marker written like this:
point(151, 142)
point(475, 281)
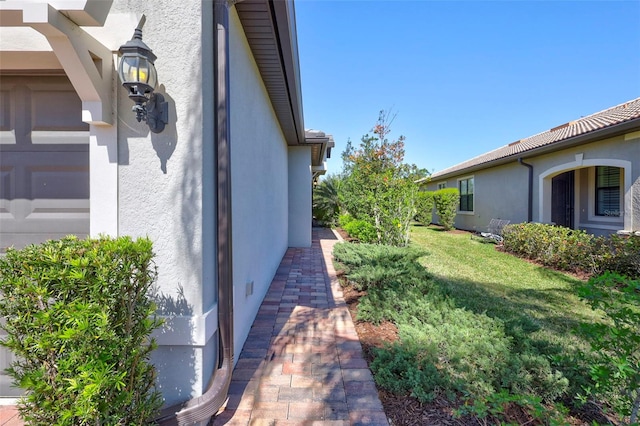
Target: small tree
point(446, 201)
point(378, 187)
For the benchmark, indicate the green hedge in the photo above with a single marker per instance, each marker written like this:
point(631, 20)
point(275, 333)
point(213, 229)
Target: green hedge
point(574, 250)
point(79, 319)
point(424, 206)
point(446, 201)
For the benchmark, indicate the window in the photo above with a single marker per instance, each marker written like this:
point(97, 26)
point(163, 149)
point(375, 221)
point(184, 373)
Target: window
point(465, 186)
point(607, 191)
point(442, 185)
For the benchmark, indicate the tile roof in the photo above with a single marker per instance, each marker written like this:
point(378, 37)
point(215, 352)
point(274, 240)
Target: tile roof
point(616, 115)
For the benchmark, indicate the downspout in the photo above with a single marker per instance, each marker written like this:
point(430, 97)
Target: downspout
point(200, 409)
point(530, 201)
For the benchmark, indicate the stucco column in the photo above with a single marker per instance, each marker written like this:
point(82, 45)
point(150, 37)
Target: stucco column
point(299, 158)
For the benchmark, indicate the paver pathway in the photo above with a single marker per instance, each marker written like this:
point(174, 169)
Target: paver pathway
point(9, 416)
point(302, 363)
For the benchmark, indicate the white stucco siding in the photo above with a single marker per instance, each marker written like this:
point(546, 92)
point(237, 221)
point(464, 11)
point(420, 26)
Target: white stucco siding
point(259, 184)
point(165, 191)
point(300, 196)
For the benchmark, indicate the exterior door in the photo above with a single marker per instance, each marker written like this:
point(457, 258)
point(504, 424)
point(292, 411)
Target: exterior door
point(562, 199)
point(44, 168)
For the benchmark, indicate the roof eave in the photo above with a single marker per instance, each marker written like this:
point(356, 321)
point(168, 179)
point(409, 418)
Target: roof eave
point(593, 136)
point(270, 28)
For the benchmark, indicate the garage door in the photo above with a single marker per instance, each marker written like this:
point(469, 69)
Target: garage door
point(44, 167)
point(44, 161)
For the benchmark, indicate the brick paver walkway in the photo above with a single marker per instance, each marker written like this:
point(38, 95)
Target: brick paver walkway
point(9, 416)
point(302, 363)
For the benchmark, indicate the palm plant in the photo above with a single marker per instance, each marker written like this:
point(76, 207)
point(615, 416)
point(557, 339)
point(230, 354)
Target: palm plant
point(327, 203)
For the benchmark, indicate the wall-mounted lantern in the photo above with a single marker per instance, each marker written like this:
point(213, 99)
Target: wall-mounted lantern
point(138, 76)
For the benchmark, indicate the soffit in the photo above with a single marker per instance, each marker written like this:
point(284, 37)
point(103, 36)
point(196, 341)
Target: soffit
point(270, 30)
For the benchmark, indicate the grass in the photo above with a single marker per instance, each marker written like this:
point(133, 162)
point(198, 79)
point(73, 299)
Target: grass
point(480, 278)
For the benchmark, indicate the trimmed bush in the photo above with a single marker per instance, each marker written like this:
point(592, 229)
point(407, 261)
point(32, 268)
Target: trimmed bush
point(623, 256)
point(359, 229)
point(555, 246)
point(446, 201)
point(574, 250)
point(78, 318)
point(424, 207)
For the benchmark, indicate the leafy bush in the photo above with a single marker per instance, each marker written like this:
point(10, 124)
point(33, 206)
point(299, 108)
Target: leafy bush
point(344, 219)
point(495, 405)
point(79, 320)
point(573, 250)
point(446, 201)
point(554, 246)
point(361, 230)
point(623, 256)
point(424, 207)
point(617, 371)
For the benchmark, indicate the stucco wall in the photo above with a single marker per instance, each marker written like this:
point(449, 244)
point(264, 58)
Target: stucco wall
point(621, 151)
point(494, 192)
point(259, 185)
point(501, 192)
point(300, 196)
point(166, 192)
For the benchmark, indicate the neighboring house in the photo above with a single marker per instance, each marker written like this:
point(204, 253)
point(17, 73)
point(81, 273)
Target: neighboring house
point(584, 174)
point(222, 191)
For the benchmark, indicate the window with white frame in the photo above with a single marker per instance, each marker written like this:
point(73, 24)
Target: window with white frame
point(607, 191)
point(465, 186)
point(442, 185)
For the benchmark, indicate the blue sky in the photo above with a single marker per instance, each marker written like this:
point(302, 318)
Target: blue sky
point(464, 77)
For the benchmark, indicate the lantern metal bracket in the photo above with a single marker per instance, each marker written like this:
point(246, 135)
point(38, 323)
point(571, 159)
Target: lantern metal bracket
point(156, 112)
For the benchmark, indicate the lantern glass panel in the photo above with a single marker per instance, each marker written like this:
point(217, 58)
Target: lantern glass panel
point(129, 69)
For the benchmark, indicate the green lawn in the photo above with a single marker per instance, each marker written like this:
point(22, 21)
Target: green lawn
point(480, 278)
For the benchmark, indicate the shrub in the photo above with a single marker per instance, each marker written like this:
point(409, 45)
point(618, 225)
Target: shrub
point(442, 348)
point(396, 370)
point(617, 370)
point(574, 250)
point(446, 201)
point(78, 319)
point(555, 246)
point(624, 256)
point(424, 207)
point(359, 229)
point(369, 265)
